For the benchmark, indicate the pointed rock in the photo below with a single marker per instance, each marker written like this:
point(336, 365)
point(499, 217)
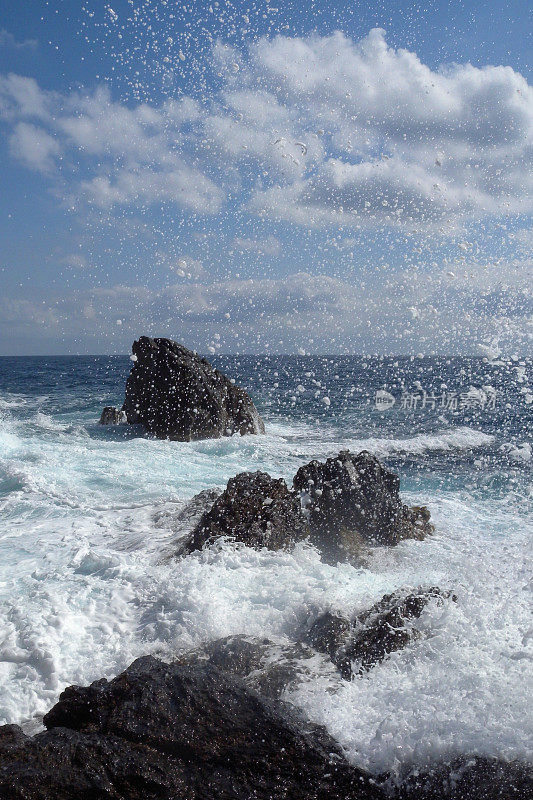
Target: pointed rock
point(178, 395)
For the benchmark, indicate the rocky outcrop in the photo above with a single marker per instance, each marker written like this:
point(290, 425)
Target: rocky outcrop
point(255, 509)
point(175, 731)
point(356, 645)
point(112, 416)
point(353, 499)
point(470, 777)
point(349, 501)
point(176, 394)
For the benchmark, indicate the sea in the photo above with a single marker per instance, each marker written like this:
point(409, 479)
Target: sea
point(88, 582)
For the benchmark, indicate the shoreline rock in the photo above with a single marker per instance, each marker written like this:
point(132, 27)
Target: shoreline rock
point(171, 731)
point(358, 644)
point(175, 394)
point(352, 500)
point(342, 507)
point(112, 416)
point(194, 730)
point(266, 666)
point(255, 509)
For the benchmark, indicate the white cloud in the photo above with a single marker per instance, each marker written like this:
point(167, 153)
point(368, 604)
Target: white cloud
point(319, 131)
point(22, 97)
point(143, 185)
point(407, 143)
point(34, 147)
point(523, 239)
point(184, 266)
point(8, 40)
point(371, 86)
point(75, 261)
point(267, 246)
point(407, 312)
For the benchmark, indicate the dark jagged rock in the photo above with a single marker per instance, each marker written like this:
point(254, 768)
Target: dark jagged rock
point(112, 416)
point(265, 666)
point(359, 644)
point(329, 634)
point(352, 499)
point(470, 778)
point(178, 395)
point(178, 732)
point(63, 764)
point(255, 509)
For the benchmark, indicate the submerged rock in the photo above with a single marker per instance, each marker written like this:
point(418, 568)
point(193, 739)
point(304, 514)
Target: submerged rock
point(112, 416)
point(175, 731)
point(353, 499)
point(178, 395)
point(193, 509)
point(357, 645)
point(470, 777)
point(255, 509)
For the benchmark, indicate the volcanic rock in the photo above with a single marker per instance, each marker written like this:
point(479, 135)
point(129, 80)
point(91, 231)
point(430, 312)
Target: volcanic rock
point(266, 666)
point(178, 395)
point(255, 509)
point(353, 499)
point(178, 732)
point(112, 416)
point(357, 645)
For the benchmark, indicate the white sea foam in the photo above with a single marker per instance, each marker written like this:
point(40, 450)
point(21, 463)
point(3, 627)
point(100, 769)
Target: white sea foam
point(90, 596)
point(8, 439)
point(85, 590)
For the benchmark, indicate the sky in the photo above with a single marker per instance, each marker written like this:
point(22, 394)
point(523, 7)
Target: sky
point(318, 177)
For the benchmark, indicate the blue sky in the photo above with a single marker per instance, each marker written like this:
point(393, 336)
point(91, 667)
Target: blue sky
point(263, 177)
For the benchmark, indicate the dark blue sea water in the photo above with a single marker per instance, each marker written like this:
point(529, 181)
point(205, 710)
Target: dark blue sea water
point(86, 520)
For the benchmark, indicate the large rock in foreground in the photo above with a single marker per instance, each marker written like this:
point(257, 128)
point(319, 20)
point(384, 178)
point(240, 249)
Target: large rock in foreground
point(358, 644)
point(178, 395)
point(255, 509)
point(179, 733)
point(353, 499)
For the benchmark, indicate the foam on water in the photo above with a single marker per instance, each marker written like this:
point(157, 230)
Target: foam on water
point(96, 597)
point(86, 522)
point(65, 463)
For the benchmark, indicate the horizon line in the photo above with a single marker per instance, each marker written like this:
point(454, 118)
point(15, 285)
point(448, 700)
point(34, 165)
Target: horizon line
point(266, 355)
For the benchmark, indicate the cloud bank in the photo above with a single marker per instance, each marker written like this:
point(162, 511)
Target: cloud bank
point(326, 136)
point(318, 131)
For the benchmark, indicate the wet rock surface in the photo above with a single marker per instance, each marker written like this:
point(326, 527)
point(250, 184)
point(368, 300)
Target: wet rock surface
point(183, 521)
point(175, 731)
point(470, 778)
point(176, 394)
point(268, 667)
point(353, 499)
point(255, 509)
point(356, 645)
point(112, 416)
